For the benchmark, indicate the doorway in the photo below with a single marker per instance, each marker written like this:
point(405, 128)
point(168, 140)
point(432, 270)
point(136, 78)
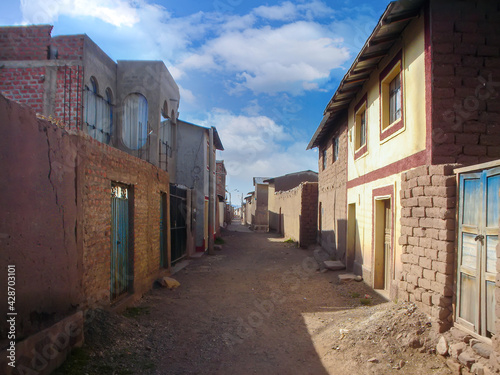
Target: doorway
point(478, 231)
point(383, 244)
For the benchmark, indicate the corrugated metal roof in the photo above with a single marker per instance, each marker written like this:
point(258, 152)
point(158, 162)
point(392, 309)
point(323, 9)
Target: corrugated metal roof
point(391, 24)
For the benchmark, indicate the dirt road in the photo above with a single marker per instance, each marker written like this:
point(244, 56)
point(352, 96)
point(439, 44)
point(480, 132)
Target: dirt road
point(259, 306)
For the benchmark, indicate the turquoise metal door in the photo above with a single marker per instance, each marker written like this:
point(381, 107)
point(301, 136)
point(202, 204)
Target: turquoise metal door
point(477, 239)
point(119, 240)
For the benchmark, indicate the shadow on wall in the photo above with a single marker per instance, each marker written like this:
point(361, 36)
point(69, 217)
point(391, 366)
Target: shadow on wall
point(343, 245)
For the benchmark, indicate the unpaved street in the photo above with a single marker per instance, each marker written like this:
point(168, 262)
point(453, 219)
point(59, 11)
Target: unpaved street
point(259, 306)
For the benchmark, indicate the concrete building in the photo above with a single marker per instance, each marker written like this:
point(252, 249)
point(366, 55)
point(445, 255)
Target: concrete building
point(417, 103)
point(193, 171)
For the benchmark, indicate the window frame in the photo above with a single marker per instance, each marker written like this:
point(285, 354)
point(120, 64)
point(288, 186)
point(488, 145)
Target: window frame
point(324, 158)
point(98, 112)
point(139, 111)
point(392, 70)
point(335, 148)
point(360, 109)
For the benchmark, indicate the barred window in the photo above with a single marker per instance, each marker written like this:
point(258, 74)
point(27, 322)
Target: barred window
point(98, 112)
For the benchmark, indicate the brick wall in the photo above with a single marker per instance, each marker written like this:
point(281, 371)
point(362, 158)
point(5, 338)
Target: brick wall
point(69, 47)
point(332, 192)
point(299, 210)
point(100, 165)
point(466, 71)
point(24, 85)
point(58, 202)
point(221, 179)
point(309, 213)
point(24, 43)
point(428, 239)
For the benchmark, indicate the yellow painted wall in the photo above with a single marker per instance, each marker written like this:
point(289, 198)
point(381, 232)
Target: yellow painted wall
point(362, 196)
point(412, 138)
point(408, 141)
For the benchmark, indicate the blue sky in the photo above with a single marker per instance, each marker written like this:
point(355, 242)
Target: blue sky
point(262, 72)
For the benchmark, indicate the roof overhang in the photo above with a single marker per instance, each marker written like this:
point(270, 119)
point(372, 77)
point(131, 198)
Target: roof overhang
point(391, 24)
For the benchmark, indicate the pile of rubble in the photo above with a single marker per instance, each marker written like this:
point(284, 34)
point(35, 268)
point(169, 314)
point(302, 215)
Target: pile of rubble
point(467, 355)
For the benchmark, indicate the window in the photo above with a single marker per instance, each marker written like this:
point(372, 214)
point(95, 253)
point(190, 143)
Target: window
point(135, 121)
point(324, 158)
point(360, 127)
point(335, 143)
point(391, 98)
point(395, 99)
point(97, 112)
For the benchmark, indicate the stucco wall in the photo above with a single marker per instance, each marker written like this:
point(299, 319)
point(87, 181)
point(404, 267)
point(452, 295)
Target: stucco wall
point(192, 171)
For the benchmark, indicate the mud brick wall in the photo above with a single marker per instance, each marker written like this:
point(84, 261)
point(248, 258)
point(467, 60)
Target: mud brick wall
point(309, 213)
point(99, 166)
point(465, 45)
point(332, 189)
point(57, 218)
point(299, 212)
point(428, 200)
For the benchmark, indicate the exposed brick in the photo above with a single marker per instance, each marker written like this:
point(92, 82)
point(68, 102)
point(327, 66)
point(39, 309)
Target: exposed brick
point(429, 274)
point(425, 263)
point(441, 289)
point(418, 212)
point(431, 253)
point(442, 267)
point(444, 202)
point(439, 180)
point(424, 283)
point(442, 169)
point(427, 298)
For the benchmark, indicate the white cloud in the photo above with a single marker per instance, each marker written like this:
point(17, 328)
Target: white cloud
point(257, 146)
point(284, 12)
point(187, 95)
point(271, 60)
point(115, 12)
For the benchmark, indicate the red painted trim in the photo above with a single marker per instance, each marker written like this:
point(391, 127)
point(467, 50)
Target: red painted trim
point(361, 151)
point(381, 192)
point(413, 161)
point(363, 100)
point(390, 130)
point(428, 81)
point(364, 149)
point(398, 58)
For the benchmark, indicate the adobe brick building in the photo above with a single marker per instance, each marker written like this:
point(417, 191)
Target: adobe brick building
point(419, 114)
point(85, 224)
point(297, 212)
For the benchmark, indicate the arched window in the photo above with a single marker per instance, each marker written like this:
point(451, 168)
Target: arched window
point(98, 112)
point(90, 107)
point(107, 116)
point(135, 121)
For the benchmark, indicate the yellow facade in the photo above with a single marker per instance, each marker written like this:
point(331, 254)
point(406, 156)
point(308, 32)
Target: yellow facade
point(371, 175)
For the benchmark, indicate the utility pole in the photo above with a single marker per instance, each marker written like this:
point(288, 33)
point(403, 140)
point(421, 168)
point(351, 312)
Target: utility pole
point(211, 192)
